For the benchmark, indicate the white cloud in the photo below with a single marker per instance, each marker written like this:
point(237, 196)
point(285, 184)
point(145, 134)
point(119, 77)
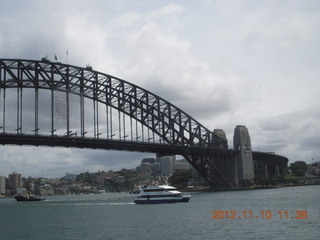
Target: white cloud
point(169, 10)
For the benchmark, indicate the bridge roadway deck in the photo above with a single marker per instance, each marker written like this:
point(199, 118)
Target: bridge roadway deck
point(107, 144)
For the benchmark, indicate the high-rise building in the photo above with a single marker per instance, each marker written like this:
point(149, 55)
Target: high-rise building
point(167, 165)
point(15, 180)
point(2, 185)
point(182, 165)
point(145, 168)
point(70, 176)
point(148, 166)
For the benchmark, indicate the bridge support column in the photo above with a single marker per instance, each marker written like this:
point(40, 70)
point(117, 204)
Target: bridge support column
point(283, 170)
point(244, 160)
point(277, 171)
point(235, 171)
point(265, 171)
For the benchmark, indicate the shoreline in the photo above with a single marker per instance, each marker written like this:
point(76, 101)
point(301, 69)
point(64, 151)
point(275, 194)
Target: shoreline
point(208, 189)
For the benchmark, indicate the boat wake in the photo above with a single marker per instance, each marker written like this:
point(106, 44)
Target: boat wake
point(60, 203)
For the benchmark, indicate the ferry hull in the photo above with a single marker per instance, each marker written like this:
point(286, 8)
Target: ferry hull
point(155, 201)
point(20, 198)
point(160, 194)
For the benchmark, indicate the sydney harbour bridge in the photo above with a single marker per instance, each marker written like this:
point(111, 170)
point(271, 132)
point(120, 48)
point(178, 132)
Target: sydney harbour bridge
point(44, 103)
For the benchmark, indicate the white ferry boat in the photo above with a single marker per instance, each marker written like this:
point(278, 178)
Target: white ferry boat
point(160, 194)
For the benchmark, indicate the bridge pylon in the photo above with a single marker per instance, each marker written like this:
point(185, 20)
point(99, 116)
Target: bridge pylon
point(244, 169)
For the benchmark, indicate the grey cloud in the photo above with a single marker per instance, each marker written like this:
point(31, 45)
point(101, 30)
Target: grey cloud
point(277, 123)
point(310, 142)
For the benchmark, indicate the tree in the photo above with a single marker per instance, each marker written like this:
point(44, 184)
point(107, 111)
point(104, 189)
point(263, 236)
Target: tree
point(299, 168)
point(180, 177)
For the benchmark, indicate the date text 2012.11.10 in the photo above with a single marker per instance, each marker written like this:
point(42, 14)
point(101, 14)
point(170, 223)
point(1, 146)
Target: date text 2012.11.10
point(232, 214)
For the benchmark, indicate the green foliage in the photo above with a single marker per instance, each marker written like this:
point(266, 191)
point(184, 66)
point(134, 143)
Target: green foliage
point(299, 168)
point(281, 179)
point(300, 172)
point(290, 176)
point(245, 183)
point(86, 177)
point(180, 177)
point(264, 181)
point(270, 181)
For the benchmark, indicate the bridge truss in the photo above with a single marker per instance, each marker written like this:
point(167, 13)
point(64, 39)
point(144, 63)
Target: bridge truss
point(85, 107)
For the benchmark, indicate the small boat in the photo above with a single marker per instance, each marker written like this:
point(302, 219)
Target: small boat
point(27, 198)
point(160, 194)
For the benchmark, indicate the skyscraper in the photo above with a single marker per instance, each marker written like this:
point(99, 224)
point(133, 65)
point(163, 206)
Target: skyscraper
point(2, 185)
point(15, 180)
point(167, 165)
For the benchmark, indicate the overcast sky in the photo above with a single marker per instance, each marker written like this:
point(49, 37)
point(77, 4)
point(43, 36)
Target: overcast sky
point(225, 63)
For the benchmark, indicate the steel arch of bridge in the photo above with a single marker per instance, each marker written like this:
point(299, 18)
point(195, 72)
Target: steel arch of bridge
point(176, 131)
point(170, 123)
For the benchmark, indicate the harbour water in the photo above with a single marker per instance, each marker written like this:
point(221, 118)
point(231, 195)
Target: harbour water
point(281, 213)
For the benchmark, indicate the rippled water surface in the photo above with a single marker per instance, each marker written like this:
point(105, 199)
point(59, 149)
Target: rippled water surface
point(255, 215)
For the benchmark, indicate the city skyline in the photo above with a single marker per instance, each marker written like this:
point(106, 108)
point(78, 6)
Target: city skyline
point(163, 167)
point(255, 64)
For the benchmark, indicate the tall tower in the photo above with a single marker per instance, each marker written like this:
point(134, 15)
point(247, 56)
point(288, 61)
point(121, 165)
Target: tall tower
point(220, 133)
point(167, 164)
point(244, 162)
point(15, 180)
point(2, 185)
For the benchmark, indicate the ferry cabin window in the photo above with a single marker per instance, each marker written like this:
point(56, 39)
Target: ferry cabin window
point(161, 196)
point(154, 190)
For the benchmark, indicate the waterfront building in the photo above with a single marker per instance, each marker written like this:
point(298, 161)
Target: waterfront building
point(46, 190)
point(2, 185)
point(148, 160)
point(182, 165)
point(149, 166)
point(100, 177)
point(20, 190)
point(70, 177)
point(15, 180)
point(145, 169)
point(167, 164)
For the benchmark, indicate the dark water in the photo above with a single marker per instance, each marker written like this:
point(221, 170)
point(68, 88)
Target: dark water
point(114, 216)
